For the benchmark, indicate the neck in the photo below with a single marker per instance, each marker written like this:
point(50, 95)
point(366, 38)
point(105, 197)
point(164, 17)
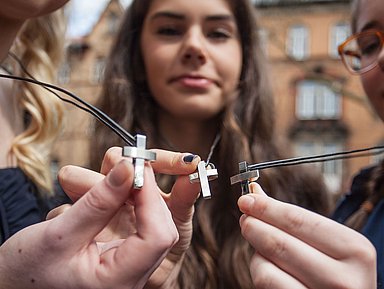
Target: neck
point(192, 136)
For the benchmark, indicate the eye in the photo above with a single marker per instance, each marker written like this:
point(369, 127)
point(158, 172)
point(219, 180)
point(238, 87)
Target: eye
point(169, 31)
point(219, 34)
point(369, 45)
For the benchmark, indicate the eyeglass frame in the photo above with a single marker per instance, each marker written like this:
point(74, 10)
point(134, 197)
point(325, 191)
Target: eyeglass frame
point(340, 50)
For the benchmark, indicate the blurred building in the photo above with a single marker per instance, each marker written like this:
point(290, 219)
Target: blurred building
point(319, 106)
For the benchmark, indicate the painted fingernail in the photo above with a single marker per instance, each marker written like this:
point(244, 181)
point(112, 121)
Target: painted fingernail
point(189, 158)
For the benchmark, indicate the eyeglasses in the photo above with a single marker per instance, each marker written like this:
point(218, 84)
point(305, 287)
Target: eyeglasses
point(360, 52)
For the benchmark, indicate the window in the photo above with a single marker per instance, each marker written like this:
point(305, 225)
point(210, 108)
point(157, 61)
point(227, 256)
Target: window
point(316, 100)
point(339, 33)
point(331, 170)
point(113, 22)
point(64, 73)
point(297, 42)
point(98, 70)
point(263, 36)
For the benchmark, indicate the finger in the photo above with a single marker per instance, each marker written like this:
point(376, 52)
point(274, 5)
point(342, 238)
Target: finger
point(57, 211)
point(291, 255)
point(267, 275)
point(174, 163)
point(181, 204)
point(167, 162)
point(91, 213)
point(255, 188)
point(182, 198)
point(156, 232)
point(111, 158)
point(76, 181)
point(307, 226)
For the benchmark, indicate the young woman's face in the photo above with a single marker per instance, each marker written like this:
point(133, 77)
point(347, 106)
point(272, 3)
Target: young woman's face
point(371, 16)
point(192, 56)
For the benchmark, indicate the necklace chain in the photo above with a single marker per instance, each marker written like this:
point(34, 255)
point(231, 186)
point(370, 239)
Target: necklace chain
point(211, 149)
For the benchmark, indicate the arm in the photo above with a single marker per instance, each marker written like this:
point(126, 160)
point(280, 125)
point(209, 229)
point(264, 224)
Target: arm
point(295, 248)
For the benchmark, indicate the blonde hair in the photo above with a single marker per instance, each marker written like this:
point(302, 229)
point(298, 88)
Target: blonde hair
point(39, 46)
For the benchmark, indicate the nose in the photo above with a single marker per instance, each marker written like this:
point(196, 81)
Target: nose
point(194, 50)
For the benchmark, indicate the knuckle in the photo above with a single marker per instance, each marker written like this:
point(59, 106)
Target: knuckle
point(294, 221)
point(261, 274)
point(364, 251)
point(164, 240)
point(275, 248)
point(96, 202)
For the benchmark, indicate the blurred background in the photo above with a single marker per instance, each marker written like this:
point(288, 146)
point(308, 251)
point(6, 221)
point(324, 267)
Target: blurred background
point(321, 108)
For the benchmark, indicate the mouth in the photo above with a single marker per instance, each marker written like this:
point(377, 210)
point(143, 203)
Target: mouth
point(193, 81)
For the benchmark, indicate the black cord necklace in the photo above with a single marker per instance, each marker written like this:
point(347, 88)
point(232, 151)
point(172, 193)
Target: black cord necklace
point(206, 171)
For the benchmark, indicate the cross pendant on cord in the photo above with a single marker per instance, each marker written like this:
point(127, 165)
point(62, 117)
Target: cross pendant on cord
point(205, 172)
point(139, 154)
point(244, 177)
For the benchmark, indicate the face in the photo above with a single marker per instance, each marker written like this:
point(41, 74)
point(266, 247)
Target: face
point(371, 16)
point(192, 56)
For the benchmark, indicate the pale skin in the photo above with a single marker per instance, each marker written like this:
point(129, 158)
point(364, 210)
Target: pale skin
point(180, 202)
point(14, 13)
point(91, 244)
point(370, 16)
point(185, 47)
point(91, 241)
point(296, 248)
point(192, 78)
point(96, 228)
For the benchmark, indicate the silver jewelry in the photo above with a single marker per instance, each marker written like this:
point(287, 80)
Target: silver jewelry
point(139, 154)
point(206, 172)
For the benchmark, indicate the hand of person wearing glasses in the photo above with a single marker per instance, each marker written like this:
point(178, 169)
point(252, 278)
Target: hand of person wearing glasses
point(68, 251)
point(296, 248)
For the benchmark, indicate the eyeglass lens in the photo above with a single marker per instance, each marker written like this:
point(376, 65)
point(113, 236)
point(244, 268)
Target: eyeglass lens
point(361, 53)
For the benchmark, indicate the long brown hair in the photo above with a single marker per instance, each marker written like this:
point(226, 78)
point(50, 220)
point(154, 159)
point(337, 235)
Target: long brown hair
point(218, 256)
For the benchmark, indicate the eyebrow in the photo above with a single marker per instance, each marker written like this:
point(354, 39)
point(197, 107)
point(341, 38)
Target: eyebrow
point(178, 16)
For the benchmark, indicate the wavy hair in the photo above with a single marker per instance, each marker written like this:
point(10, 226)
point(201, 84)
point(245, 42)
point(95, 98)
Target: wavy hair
point(39, 46)
point(218, 256)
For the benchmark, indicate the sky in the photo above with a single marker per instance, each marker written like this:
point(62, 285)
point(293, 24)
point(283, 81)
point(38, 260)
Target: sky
point(83, 14)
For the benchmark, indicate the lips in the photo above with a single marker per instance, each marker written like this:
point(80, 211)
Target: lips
point(193, 81)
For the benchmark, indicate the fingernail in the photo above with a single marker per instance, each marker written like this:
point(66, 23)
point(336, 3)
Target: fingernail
point(242, 218)
point(246, 202)
point(189, 158)
point(118, 175)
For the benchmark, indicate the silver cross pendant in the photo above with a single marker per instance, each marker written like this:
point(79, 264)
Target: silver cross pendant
point(205, 172)
point(139, 154)
point(244, 177)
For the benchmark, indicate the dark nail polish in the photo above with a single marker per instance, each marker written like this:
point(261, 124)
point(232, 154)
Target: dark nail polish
point(189, 158)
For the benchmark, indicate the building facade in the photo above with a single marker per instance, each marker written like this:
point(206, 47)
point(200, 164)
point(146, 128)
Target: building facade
point(319, 106)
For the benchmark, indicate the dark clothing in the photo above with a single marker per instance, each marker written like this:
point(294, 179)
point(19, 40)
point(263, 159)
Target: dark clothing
point(20, 205)
point(374, 227)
